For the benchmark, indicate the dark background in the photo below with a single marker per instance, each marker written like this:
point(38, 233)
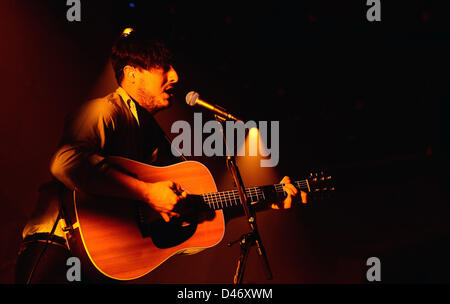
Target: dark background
point(366, 101)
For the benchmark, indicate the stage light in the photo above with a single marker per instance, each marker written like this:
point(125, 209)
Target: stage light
point(127, 31)
point(250, 164)
point(253, 133)
point(131, 4)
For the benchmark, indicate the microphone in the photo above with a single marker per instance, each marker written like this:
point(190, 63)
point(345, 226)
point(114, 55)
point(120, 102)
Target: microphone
point(192, 99)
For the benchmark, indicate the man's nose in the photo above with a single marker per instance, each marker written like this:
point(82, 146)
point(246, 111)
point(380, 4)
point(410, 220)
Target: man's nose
point(172, 75)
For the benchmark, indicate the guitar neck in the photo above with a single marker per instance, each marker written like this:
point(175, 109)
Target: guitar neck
point(226, 199)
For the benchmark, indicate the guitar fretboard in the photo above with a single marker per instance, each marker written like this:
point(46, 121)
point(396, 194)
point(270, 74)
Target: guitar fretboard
point(225, 199)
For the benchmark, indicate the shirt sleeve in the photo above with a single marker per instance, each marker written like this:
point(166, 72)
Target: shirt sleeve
point(80, 156)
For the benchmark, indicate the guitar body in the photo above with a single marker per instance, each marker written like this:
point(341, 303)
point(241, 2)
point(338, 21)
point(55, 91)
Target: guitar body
point(111, 234)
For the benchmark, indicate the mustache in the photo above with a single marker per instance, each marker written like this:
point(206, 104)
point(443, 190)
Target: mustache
point(169, 89)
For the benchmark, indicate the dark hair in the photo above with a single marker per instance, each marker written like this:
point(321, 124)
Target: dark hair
point(139, 51)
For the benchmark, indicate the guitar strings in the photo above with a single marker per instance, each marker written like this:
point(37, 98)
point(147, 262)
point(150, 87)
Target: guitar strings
point(224, 197)
point(255, 191)
point(217, 199)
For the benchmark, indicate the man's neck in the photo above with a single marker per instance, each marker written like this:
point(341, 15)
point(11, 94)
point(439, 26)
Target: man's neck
point(131, 92)
point(134, 94)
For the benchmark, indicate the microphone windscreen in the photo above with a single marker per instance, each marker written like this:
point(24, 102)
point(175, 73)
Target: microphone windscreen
point(191, 98)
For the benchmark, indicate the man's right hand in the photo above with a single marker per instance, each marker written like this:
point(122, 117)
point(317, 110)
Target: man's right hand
point(163, 196)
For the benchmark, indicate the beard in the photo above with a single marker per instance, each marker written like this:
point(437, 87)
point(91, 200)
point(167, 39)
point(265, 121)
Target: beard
point(152, 103)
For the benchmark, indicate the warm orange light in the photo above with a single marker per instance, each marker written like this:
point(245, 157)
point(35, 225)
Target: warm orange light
point(251, 145)
point(253, 132)
point(253, 142)
point(253, 151)
point(127, 31)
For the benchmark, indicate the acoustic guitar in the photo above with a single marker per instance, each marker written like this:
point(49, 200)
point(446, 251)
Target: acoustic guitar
point(126, 240)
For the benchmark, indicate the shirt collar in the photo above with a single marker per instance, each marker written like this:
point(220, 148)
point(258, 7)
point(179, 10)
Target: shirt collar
point(129, 102)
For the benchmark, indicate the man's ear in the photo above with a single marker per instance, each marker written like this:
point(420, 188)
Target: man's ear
point(129, 73)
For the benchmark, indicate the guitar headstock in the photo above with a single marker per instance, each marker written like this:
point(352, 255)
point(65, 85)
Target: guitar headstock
point(320, 185)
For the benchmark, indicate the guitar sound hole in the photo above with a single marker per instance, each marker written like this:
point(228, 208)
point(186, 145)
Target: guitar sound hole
point(163, 234)
point(166, 235)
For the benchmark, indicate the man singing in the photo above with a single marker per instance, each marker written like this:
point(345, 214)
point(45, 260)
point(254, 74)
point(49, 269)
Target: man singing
point(119, 124)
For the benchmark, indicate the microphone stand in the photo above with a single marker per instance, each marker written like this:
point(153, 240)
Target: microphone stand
point(252, 238)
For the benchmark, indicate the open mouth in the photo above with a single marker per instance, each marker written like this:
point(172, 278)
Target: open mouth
point(169, 91)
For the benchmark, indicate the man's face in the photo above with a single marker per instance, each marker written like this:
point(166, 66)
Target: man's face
point(154, 88)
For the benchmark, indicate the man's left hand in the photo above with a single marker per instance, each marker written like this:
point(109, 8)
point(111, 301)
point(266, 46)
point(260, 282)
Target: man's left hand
point(292, 195)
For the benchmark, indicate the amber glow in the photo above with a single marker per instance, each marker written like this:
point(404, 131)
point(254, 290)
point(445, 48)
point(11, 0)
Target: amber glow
point(254, 145)
point(253, 150)
point(127, 31)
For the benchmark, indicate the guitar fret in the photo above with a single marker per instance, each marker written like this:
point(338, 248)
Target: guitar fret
point(231, 198)
point(224, 199)
point(208, 200)
point(213, 200)
point(219, 199)
point(206, 197)
point(250, 192)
